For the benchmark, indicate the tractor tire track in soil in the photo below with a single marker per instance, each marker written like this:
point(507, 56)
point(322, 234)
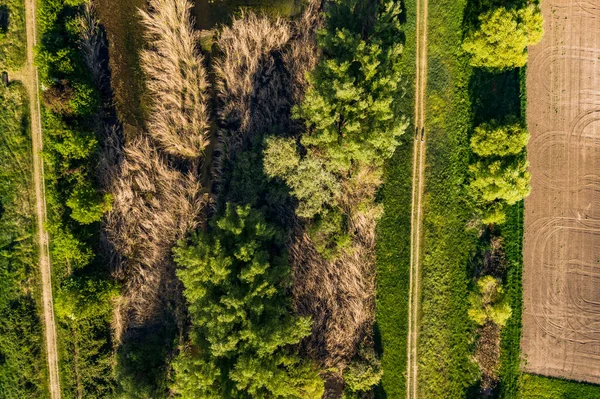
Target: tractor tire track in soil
point(418, 184)
point(561, 276)
point(30, 79)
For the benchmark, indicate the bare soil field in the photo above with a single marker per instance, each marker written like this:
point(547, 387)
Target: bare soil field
point(561, 319)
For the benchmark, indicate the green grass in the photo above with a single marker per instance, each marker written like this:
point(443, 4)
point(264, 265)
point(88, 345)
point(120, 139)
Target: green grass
point(393, 240)
point(538, 387)
point(22, 364)
point(446, 333)
point(12, 34)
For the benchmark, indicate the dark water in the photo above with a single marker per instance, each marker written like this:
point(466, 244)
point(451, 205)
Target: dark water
point(209, 13)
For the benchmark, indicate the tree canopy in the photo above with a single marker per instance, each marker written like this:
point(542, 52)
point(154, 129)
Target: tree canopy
point(236, 280)
point(495, 139)
point(501, 40)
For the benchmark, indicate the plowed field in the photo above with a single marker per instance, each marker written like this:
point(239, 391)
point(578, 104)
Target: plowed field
point(561, 319)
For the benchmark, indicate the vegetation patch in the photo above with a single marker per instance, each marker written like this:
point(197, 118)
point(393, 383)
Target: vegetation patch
point(12, 34)
point(538, 387)
point(22, 364)
point(445, 368)
point(75, 204)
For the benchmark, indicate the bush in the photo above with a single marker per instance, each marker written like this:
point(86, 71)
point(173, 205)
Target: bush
point(363, 373)
point(501, 40)
point(501, 180)
point(87, 205)
point(488, 303)
point(499, 139)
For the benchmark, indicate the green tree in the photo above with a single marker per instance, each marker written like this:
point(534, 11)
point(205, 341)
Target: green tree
point(236, 280)
point(501, 40)
point(88, 205)
point(350, 112)
point(489, 302)
point(499, 139)
point(506, 180)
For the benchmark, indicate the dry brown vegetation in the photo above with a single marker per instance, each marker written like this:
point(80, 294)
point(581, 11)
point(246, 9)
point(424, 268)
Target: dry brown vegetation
point(157, 198)
point(154, 206)
point(339, 293)
point(487, 355)
point(176, 79)
point(260, 76)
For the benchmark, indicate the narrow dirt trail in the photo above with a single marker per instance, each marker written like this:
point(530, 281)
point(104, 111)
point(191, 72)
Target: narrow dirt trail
point(417, 198)
point(29, 77)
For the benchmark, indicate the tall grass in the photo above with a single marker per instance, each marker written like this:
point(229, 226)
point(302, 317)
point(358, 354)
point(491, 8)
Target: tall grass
point(12, 34)
point(22, 364)
point(176, 79)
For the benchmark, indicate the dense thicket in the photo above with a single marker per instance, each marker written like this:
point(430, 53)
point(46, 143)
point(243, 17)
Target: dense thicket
point(334, 169)
point(158, 198)
point(22, 362)
point(244, 335)
point(236, 278)
point(71, 108)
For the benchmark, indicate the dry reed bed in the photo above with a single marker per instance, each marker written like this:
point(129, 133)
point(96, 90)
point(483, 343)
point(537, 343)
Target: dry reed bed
point(339, 294)
point(154, 178)
point(260, 76)
point(175, 79)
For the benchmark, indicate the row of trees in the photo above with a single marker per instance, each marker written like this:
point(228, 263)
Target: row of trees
point(500, 179)
point(498, 42)
point(71, 110)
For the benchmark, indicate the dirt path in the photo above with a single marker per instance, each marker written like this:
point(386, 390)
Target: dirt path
point(29, 77)
point(417, 194)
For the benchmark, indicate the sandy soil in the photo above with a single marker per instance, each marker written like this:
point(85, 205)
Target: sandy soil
point(561, 320)
point(416, 206)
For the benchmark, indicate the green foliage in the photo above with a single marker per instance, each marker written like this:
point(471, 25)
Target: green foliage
point(12, 34)
point(495, 139)
point(510, 336)
point(538, 387)
point(87, 205)
point(235, 282)
point(506, 180)
point(502, 38)
point(22, 363)
point(363, 374)
point(74, 203)
point(349, 107)
point(489, 303)
point(350, 111)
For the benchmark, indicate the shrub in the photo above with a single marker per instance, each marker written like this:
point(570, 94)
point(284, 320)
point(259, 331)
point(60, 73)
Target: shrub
point(499, 139)
point(87, 205)
point(488, 303)
point(363, 373)
point(506, 180)
point(501, 40)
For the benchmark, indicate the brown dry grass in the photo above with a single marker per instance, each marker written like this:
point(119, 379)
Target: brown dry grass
point(176, 79)
point(339, 294)
point(154, 206)
point(487, 355)
point(261, 74)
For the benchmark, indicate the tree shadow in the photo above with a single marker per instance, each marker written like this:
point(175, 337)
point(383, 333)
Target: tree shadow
point(4, 18)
